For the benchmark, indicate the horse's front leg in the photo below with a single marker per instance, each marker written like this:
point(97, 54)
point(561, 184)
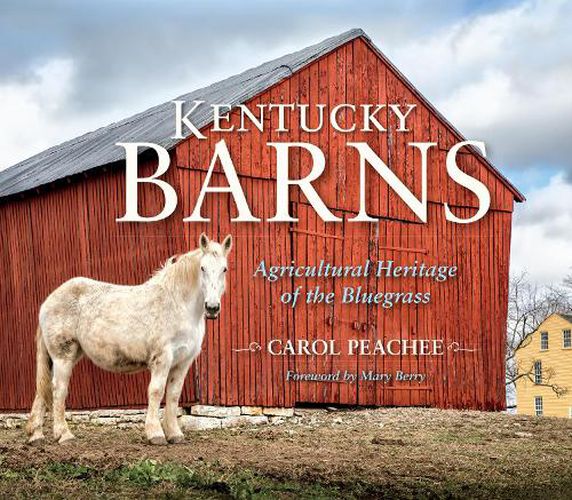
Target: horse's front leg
point(174, 387)
point(153, 429)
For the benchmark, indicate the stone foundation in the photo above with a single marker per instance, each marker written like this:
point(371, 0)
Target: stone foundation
point(194, 418)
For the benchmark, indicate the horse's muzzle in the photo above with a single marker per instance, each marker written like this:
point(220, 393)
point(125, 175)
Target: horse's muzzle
point(211, 311)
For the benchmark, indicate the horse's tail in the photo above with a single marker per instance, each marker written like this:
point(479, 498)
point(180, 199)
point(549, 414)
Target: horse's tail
point(43, 370)
point(43, 399)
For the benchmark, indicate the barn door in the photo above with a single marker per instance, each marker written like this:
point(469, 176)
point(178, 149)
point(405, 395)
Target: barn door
point(350, 321)
point(328, 325)
point(400, 243)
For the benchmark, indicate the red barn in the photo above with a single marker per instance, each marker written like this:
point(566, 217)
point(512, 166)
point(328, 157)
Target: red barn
point(58, 214)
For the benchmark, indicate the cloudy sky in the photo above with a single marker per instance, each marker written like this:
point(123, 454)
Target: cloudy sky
point(501, 71)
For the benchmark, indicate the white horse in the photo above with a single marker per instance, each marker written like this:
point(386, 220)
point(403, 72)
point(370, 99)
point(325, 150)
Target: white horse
point(158, 325)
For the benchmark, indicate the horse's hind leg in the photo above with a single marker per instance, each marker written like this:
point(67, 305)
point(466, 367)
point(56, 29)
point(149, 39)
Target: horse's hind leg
point(43, 398)
point(34, 427)
point(62, 370)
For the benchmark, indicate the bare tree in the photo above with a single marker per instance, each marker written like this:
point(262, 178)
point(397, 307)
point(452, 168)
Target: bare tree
point(568, 281)
point(528, 306)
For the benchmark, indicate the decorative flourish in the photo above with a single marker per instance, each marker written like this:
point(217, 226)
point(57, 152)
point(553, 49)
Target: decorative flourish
point(252, 347)
point(456, 347)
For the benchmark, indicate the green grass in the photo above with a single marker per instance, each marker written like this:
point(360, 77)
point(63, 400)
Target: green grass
point(170, 479)
point(153, 479)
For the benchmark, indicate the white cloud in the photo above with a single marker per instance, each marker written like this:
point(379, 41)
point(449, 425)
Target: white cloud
point(35, 112)
point(481, 104)
point(26, 124)
point(542, 233)
point(503, 77)
point(525, 124)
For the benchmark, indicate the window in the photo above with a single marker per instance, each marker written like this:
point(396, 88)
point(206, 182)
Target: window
point(538, 407)
point(566, 339)
point(538, 372)
point(544, 341)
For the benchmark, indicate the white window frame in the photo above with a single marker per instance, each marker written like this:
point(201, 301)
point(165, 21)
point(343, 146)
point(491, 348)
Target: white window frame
point(564, 332)
point(538, 372)
point(538, 406)
point(544, 335)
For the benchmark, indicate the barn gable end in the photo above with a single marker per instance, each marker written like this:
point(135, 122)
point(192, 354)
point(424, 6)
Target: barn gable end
point(355, 73)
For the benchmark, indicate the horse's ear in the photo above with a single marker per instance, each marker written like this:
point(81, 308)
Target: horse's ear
point(227, 244)
point(203, 242)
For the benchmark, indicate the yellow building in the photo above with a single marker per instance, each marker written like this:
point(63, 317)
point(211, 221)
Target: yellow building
point(546, 359)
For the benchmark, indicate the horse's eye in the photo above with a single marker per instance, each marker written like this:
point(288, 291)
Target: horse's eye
point(203, 269)
point(225, 270)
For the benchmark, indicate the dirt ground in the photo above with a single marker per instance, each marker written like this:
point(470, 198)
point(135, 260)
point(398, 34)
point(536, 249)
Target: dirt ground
point(382, 453)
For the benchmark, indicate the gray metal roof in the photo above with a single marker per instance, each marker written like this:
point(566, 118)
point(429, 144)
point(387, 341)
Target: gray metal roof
point(156, 124)
point(567, 317)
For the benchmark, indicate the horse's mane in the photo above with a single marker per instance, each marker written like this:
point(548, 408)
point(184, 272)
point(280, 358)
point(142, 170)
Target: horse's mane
point(184, 266)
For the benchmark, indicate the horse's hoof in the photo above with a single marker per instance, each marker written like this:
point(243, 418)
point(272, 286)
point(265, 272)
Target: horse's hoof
point(176, 439)
point(66, 438)
point(37, 441)
point(158, 441)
